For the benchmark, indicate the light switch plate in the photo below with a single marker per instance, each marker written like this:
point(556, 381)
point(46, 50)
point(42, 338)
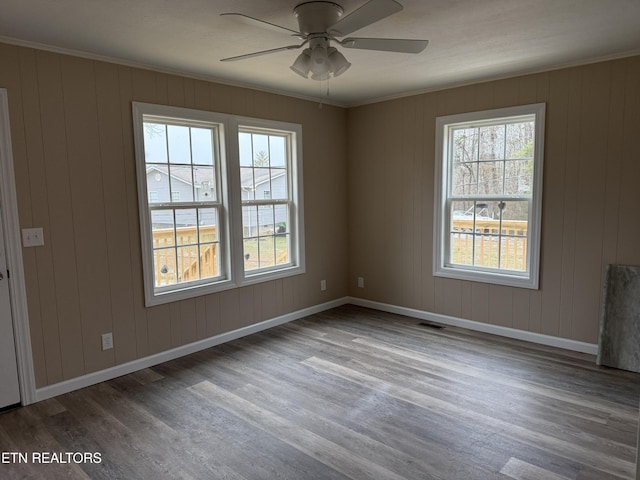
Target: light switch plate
point(32, 237)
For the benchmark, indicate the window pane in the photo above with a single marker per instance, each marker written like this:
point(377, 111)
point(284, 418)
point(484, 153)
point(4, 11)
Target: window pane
point(465, 178)
point(465, 145)
point(181, 183)
point(282, 249)
point(158, 184)
point(492, 142)
point(260, 150)
point(155, 143)
point(246, 150)
point(281, 213)
point(202, 146)
point(250, 254)
point(205, 184)
point(186, 227)
point(209, 260)
point(513, 241)
point(262, 181)
point(486, 251)
point(164, 266)
point(162, 228)
point(520, 140)
point(266, 248)
point(490, 178)
point(247, 183)
point(249, 221)
point(179, 144)
point(265, 220)
point(277, 151)
point(279, 188)
point(188, 263)
point(208, 221)
point(518, 177)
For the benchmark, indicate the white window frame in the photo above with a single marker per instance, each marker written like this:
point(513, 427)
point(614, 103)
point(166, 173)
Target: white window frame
point(296, 264)
point(441, 252)
point(232, 273)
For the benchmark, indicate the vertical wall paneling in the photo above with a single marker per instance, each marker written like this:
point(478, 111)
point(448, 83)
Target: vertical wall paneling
point(590, 198)
point(229, 310)
point(501, 305)
point(572, 163)
point(201, 318)
point(116, 211)
point(555, 156)
point(408, 228)
point(125, 84)
point(175, 91)
point(188, 321)
point(88, 210)
point(176, 324)
point(268, 300)
point(62, 225)
point(43, 319)
point(418, 181)
point(427, 132)
point(615, 136)
point(629, 230)
point(520, 311)
point(452, 297)
point(212, 310)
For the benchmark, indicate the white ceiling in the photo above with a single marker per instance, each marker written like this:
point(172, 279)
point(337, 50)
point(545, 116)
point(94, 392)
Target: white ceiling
point(470, 40)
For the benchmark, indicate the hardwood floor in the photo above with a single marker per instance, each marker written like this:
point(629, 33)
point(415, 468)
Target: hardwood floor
point(349, 393)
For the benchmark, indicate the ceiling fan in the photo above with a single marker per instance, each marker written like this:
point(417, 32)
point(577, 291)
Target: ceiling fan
point(320, 24)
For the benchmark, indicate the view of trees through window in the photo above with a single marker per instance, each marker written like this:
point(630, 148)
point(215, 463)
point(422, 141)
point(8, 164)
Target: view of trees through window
point(490, 190)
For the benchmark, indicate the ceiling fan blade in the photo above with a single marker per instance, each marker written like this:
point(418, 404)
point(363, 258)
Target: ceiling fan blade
point(262, 52)
point(386, 44)
point(369, 13)
point(255, 22)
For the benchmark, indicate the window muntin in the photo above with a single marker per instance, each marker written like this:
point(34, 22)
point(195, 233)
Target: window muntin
point(488, 200)
point(211, 203)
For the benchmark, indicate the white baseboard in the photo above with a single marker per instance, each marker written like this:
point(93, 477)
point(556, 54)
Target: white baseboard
point(533, 337)
point(135, 365)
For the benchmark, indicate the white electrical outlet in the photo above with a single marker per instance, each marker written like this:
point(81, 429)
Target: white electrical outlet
point(360, 282)
point(323, 285)
point(107, 341)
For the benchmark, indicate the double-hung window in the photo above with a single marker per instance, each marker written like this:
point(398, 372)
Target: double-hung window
point(206, 223)
point(488, 201)
point(267, 198)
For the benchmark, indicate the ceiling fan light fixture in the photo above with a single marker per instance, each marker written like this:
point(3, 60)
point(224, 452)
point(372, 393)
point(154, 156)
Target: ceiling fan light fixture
point(321, 76)
point(302, 65)
point(338, 63)
point(319, 57)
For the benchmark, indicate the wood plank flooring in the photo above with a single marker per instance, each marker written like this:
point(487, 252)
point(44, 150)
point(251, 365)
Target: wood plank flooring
point(350, 393)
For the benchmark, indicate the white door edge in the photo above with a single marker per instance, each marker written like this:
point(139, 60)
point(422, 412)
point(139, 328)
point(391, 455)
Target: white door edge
point(13, 248)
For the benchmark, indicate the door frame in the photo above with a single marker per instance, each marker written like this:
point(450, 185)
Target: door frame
point(13, 248)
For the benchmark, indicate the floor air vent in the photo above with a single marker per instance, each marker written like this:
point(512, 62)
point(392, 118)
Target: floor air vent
point(431, 325)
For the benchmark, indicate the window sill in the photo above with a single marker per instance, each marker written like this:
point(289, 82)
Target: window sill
point(494, 278)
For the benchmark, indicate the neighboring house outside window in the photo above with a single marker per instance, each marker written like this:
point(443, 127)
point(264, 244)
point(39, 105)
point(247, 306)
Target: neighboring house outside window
point(193, 160)
point(488, 187)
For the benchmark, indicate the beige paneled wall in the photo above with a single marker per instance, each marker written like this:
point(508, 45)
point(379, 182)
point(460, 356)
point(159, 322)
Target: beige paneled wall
point(591, 198)
point(75, 173)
